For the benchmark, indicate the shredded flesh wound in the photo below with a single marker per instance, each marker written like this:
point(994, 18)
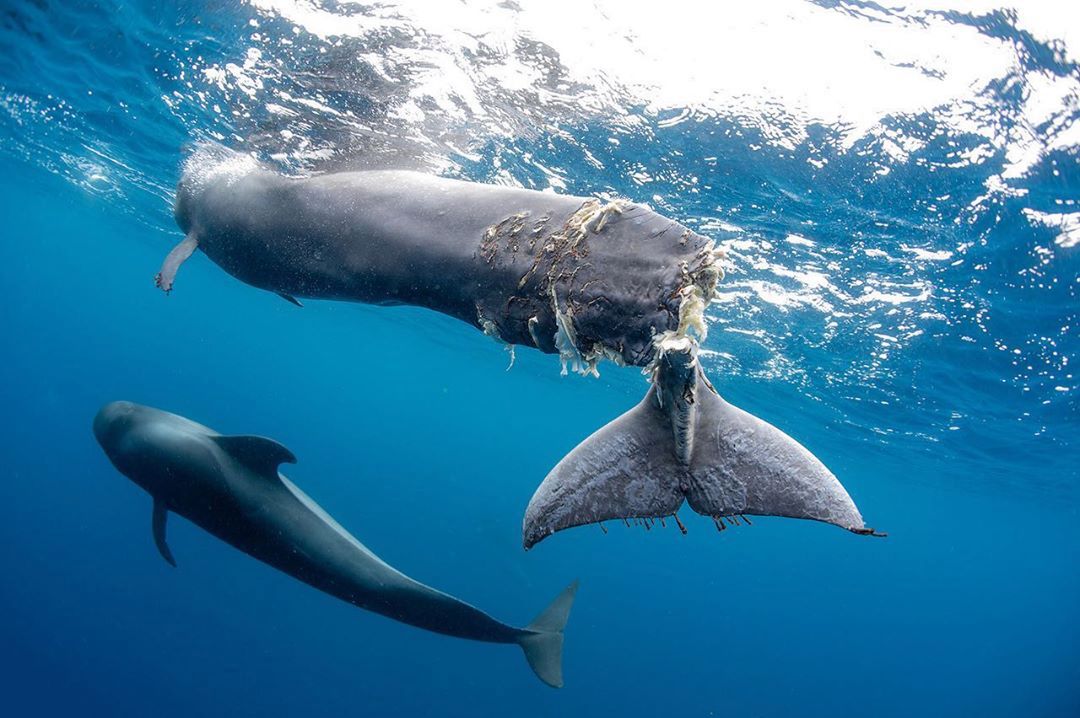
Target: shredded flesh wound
point(698, 289)
point(695, 295)
point(698, 292)
point(675, 376)
point(566, 342)
point(593, 216)
point(570, 356)
point(490, 329)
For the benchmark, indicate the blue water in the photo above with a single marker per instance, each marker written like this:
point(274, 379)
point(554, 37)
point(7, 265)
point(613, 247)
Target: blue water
point(902, 297)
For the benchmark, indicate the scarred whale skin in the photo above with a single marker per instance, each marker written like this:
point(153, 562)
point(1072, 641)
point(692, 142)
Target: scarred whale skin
point(527, 267)
point(230, 487)
point(585, 279)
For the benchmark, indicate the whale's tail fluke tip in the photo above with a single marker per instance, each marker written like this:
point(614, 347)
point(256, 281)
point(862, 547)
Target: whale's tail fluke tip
point(542, 640)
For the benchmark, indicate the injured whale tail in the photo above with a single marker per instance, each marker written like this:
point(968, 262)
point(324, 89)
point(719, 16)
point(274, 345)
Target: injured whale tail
point(542, 640)
point(684, 443)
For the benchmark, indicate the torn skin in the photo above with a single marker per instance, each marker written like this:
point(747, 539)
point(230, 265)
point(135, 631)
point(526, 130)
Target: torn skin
point(608, 274)
point(166, 276)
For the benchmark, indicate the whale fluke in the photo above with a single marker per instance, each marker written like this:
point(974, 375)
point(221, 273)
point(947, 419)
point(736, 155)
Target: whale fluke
point(161, 515)
point(684, 443)
point(542, 641)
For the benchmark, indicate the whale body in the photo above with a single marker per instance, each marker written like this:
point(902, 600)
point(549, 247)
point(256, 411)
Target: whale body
point(563, 274)
point(230, 487)
point(575, 276)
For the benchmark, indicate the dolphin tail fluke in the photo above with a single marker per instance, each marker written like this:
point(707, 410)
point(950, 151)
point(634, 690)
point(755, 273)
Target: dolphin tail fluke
point(684, 443)
point(542, 640)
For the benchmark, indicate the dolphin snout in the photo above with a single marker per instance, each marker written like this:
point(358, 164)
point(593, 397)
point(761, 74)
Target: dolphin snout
point(109, 417)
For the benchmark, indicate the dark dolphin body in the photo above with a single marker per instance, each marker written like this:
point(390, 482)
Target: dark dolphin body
point(570, 275)
point(230, 486)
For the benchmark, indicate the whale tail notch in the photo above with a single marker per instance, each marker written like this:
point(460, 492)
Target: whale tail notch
point(682, 442)
point(542, 640)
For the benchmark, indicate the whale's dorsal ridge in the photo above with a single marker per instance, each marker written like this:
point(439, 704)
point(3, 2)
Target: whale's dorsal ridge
point(263, 456)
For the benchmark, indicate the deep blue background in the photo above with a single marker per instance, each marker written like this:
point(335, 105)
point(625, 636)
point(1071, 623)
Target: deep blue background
point(410, 431)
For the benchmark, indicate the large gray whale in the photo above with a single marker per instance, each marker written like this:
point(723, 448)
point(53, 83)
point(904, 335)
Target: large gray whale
point(574, 276)
point(230, 486)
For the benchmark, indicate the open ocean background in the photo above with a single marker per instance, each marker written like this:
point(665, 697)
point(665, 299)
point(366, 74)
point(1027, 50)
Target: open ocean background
point(899, 191)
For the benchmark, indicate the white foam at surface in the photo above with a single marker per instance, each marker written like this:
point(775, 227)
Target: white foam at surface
point(906, 61)
point(1068, 224)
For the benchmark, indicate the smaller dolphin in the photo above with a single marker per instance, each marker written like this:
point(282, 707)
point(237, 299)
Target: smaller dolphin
point(230, 486)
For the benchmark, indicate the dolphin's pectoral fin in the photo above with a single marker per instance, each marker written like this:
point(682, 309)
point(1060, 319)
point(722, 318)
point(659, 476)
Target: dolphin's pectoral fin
point(161, 515)
point(289, 298)
point(167, 274)
point(684, 441)
point(261, 455)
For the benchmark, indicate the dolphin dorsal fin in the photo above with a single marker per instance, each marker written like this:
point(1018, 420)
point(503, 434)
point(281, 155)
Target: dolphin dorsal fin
point(261, 455)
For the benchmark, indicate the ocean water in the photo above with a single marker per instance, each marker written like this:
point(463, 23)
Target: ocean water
point(897, 188)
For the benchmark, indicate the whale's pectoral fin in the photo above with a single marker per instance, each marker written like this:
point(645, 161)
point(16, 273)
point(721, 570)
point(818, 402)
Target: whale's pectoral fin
point(161, 515)
point(542, 640)
point(261, 455)
point(167, 274)
point(684, 441)
point(289, 298)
